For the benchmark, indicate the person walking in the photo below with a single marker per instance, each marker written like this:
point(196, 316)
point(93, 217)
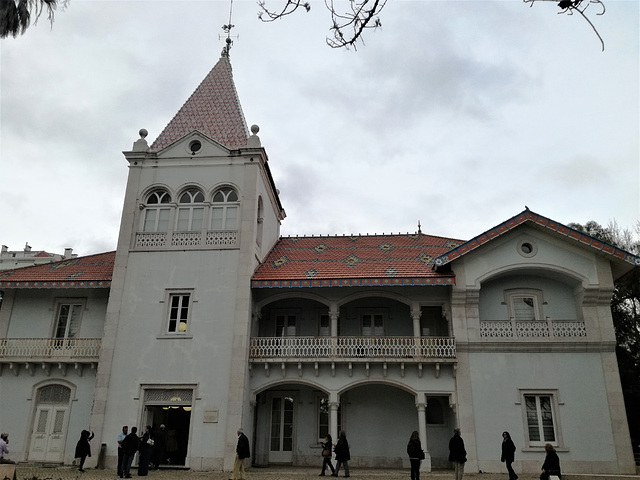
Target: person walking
point(416, 454)
point(83, 448)
point(342, 455)
point(327, 447)
point(551, 465)
point(508, 454)
point(146, 448)
point(121, 436)
point(457, 454)
point(242, 452)
point(130, 446)
point(4, 448)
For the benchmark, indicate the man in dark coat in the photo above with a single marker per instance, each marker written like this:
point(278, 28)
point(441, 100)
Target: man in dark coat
point(242, 452)
point(130, 446)
point(457, 454)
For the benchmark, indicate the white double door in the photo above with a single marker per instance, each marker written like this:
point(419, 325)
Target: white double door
point(48, 434)
point(282, 429)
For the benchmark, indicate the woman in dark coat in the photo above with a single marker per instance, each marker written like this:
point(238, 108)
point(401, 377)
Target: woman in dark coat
point(416, 455)
point(83, 448)
point(508, 454)
point(342, 455)
point(146, 448)
point(551, 465)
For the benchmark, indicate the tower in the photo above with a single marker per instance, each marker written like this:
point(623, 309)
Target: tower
point(201, 211)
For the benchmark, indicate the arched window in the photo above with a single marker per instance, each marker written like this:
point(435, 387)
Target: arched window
point(190, 211)
point(157, 210)
point(224, 212)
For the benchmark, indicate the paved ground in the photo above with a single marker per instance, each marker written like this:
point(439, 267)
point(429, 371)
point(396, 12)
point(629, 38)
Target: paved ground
point(31, 472)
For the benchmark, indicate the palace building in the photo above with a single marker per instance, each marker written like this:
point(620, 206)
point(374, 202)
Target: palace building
point(205, 319)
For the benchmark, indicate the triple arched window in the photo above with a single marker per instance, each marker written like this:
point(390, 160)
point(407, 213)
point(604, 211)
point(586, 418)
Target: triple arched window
point(192, 212)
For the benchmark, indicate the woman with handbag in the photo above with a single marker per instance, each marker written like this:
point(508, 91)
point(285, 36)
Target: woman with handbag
point(327, 445)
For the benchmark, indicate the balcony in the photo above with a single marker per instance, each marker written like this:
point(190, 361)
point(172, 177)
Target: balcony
point(29, 352)
point(352, 349)
point(548, 329)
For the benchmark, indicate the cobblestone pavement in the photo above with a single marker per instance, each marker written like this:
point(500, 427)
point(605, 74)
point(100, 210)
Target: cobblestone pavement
point(33, 472)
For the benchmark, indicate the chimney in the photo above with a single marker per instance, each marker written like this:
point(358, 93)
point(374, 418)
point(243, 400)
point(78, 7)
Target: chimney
point(5, 249)
point(27, 248)
point(68, 252)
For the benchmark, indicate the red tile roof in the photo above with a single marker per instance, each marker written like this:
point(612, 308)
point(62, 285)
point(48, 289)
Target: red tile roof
point(213, 109)
point(538, 221)
point(92, 271)
point(355, 260)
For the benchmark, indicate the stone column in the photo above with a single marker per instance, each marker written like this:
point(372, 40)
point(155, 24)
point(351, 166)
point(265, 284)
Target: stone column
point(425, 466)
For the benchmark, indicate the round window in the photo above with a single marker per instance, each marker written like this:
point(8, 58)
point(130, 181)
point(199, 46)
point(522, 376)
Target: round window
point(195, 146)
point(527, 248)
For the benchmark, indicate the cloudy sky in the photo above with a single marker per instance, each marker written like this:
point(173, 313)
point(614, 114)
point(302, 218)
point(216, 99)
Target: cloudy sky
point(456, 114)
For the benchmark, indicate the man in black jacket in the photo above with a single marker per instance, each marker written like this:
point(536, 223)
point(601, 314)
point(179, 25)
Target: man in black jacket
point(242, 452)
point(130, 446)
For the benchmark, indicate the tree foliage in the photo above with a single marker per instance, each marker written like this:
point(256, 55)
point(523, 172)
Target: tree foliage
point(348, 27)
point(16, 15)
point(625, 309)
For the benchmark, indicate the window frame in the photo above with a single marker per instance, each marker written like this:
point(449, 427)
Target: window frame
point(164, 204)
point(320, 396)
point(521, 293)
point(286, 327)
point(166, 322)
point(59, 303)
point(373, 313)
point(190, 207)
point(226, 205)
point(554, 402)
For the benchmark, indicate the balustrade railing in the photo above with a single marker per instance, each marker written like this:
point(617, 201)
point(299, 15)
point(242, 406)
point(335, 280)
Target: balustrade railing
point(217, 238)
point(548, 328)
point(352, 347)
point(57, 349)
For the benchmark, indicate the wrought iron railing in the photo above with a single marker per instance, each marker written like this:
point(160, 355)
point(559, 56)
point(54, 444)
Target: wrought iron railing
point(351, 347)
point(548, 328)
point(42, 349)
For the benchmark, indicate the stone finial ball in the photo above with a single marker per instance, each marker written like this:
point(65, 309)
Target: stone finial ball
point(143, 132)
point(255, 129)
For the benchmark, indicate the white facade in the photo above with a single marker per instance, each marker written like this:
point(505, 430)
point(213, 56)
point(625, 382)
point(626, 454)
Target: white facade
point(509, 331)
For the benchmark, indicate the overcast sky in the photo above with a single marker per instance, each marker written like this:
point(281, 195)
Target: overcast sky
point(456, 114)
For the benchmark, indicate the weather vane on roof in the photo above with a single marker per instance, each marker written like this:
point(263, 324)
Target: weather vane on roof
point(227, 29)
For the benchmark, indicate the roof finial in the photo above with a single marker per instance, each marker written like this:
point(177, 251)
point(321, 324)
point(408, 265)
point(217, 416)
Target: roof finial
point(227, 29)
point(419, 230)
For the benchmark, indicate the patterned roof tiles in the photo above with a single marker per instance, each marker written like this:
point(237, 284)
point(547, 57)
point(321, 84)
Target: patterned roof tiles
point(213, 109)
point(367, 260)
point(92, 271)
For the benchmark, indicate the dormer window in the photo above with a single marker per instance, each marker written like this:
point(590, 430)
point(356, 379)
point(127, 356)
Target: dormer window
point(190, 211)
point(224, 211)
point(157, 211)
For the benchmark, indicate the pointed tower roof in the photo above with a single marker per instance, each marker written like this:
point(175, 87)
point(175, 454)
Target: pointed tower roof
point(213, 109)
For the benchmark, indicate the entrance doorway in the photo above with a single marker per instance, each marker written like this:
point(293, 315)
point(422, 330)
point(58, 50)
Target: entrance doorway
point(281, 436)
point(49, 432)
point(172, 441)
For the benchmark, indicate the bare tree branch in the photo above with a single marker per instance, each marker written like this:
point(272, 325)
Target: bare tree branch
point(570, 6)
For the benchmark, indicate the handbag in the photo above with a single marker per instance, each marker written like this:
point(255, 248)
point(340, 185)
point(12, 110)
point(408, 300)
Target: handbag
point(326, 453)
point(150, 442)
